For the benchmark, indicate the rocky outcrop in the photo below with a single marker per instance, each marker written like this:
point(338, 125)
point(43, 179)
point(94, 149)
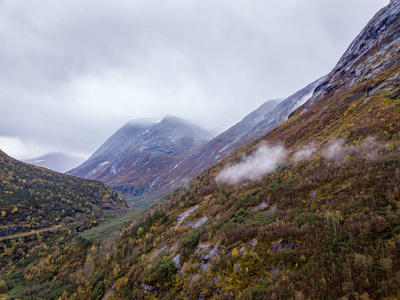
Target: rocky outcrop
point(281, 246)
point(374, 51)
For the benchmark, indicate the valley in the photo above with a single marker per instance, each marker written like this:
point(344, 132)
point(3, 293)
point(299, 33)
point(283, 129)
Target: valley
point(300, 200)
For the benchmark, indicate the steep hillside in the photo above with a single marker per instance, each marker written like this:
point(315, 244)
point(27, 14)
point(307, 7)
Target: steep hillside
point(308, 211)
point(32, 197)
point(59, 162)
point(134, 158)
point(268, 116)
point(158, 177)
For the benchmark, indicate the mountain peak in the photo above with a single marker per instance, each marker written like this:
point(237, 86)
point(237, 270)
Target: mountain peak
point(142, 122)
point(133, 158)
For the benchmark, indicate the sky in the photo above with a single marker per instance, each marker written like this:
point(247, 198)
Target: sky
point(73, 72)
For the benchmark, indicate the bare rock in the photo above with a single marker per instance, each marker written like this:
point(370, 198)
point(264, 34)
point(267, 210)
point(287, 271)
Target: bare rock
point(395, 94)
point(276, 269)
point(283, 245)
point(200, 222)
point(177, 261)
point(205, 252)
point(263, 205)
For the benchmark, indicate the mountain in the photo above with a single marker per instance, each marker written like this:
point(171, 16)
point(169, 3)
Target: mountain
point(310, 210)
point(32, 197)
point(147, 184)
point(133, 158)
point(59, 162)
point(265, 118)
point(144, 182)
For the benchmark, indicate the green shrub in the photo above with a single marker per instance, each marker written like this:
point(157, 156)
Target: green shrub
point(306, 218)
point(98, 291)
point(190, 241)
point(3, 287)
point(164, 270)
point(96, 279)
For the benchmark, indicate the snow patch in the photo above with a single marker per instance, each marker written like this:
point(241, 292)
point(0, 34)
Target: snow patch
point(224, 148)
point(39, 161)
point(154, 182)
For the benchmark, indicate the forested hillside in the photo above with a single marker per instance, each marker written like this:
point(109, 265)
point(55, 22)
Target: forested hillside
point(34, 197)
point(38, 208)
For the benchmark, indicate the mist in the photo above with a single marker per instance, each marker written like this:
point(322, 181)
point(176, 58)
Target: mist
point(265, 160)
point(305, 153)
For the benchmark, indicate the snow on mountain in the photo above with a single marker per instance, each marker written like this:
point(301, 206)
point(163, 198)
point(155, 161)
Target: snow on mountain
point(131, 160)
point(265, 118)
point(144, 160)
point(374, 51)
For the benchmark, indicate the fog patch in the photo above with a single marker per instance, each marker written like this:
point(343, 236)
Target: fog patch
point(305, 153)
point(263, 161)
point(334, 150)
point(337, 150)
point(370, 148)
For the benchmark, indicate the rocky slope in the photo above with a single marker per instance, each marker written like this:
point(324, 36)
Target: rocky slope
point(374, 51)
point(122, 147)
point(267, 117)
point(59, 162)
point(133, 159)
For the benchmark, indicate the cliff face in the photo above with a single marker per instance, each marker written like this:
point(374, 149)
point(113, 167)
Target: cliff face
point(374, 51)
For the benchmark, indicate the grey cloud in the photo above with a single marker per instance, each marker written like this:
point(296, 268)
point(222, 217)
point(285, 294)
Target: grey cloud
point(263, 161)
point(74, 71)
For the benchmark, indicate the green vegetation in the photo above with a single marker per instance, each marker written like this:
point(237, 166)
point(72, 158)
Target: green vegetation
point(32, 197)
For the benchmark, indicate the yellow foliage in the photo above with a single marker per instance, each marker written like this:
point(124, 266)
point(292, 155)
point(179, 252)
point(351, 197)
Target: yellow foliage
point(235, 252)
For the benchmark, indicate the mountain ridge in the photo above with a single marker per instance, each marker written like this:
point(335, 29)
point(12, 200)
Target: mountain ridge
point(199, 157)
point(130, 159)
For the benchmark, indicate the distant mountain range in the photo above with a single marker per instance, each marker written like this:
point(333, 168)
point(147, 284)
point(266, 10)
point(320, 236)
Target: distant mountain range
point(145, 160)
point(59, 162)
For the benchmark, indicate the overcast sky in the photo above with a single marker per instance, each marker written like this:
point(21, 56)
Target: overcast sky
point(73, 72)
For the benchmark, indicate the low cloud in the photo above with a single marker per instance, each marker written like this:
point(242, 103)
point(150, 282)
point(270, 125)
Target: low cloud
point(335, 149)
point(19, 149)
point(305, 153)
point(265, 160)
